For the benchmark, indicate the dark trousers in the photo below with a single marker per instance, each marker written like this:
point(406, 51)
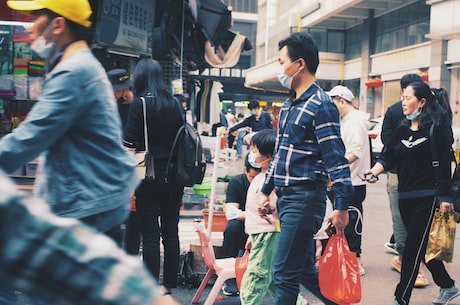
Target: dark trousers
point(132, 234)
point(355, 225)
point(157, 205)
point(234, 238)
point(230, 140)
point(417, 214)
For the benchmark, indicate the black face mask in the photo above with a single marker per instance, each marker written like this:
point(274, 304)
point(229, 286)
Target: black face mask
point(121, 99)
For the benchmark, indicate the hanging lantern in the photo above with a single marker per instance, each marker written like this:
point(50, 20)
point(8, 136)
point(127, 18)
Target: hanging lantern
point(424, 75)
point(373, 83)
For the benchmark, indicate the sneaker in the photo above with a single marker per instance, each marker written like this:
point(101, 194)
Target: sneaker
point(394, 302)
point(391, 247)
point(421, 280)
point(229, 288)
point(362, 271)
point(446, 295)
point(396, 263)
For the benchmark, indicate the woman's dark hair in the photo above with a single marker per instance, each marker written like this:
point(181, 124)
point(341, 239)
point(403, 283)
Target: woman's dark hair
point(437, 108)
point(264, 140)
point(148, 80)
point(302, 45)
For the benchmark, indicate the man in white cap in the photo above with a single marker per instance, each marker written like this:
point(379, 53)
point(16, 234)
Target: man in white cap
point(74, 126)
point(354, 125)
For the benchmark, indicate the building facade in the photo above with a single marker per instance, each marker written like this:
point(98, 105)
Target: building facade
point(366, 45)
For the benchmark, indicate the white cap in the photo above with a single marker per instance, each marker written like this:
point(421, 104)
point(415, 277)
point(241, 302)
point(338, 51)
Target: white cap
point(342, 92)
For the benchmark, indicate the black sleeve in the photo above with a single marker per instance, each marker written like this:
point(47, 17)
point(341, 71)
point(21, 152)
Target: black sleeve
point(443, 138)
point(269, 124)
point(388, 126)
point(134, 132)
point(244, 123)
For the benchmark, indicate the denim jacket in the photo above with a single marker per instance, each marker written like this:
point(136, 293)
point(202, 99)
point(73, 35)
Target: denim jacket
point(76, 129)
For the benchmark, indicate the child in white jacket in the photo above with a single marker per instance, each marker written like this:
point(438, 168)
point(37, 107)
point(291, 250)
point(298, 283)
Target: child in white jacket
point(263, 231)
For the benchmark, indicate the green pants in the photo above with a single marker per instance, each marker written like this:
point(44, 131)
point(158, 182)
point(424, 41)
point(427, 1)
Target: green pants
point(258, 278)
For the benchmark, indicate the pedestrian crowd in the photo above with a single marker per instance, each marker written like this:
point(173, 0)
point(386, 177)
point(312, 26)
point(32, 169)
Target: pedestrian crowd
point(63, 245)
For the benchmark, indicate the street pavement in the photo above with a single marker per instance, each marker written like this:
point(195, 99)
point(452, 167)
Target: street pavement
point(380, 280)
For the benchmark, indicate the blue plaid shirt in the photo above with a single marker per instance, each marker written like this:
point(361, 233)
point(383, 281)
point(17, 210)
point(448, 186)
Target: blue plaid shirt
point(309, 146)
point(60, 260)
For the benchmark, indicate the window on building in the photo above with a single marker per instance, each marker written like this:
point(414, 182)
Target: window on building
point(335, 41)
point(327, 40)
point(353, 42)
point(403, 27)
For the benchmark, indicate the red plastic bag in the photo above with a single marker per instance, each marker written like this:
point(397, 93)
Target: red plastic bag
point(241, 264)
point(339, 279)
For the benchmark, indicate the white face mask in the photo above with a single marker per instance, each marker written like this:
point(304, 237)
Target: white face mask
point(284, 79)
point(414, 114)
point(252, 160)
point(41, 47)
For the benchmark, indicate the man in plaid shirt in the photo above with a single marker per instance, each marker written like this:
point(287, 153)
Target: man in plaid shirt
point(61, 260)
point(309, 152)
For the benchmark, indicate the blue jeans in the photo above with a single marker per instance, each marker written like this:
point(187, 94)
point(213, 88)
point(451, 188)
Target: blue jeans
point(239, 143)
point(301, 215)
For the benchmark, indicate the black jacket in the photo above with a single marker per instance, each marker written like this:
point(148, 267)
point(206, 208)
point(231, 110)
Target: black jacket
point(161, 128)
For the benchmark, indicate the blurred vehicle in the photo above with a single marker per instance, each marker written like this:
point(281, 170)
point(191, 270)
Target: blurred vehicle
point(375, 129)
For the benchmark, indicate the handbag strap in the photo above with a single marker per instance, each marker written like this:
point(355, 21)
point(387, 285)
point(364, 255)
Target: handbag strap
point(146, 135)
point(434, 153)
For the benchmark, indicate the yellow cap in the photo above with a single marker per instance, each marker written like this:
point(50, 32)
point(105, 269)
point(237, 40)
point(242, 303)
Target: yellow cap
point(77, 11)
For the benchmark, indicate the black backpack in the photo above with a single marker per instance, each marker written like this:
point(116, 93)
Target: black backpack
point(186, 162)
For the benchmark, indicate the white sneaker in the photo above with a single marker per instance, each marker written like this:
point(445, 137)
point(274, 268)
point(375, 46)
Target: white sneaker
point(446, 295)
point(391, 247)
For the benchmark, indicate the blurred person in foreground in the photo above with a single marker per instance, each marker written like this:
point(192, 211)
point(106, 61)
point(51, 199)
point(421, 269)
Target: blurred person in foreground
point(421, 187)
point(309, 152)
point(158, 200)
point(63, 261)
point(74, 126)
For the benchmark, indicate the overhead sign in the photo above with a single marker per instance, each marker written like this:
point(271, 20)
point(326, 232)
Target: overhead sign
point(126, 24)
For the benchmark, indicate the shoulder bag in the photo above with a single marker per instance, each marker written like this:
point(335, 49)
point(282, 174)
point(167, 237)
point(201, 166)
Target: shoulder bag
point(145, 164)
point(455, 186)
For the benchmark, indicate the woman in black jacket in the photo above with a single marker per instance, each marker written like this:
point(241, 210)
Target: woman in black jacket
point(421, 188)
point(157, 201)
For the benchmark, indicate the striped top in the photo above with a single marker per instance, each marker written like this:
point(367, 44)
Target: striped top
point(309, 147)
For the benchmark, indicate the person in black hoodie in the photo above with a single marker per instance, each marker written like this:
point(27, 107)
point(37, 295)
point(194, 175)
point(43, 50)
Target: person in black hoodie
point(157, 201)
point(420, 189)
point(258, 119)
